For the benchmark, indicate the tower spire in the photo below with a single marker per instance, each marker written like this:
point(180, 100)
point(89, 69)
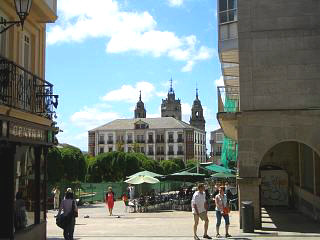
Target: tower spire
point(140, 96)
point(196, 89)
point(171, 88)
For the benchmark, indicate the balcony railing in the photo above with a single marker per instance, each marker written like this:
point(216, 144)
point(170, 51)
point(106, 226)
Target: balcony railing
point(25, 91)
point(160, 152)
point(171, 140)
point(170, 153)
point(160, 140)
point(180, 153)
point(150, 140)
point(110, 142)
point(180, 140)
point(129, 141)
point(228, 99)
point(150, 153)
point(101, 141)
point(140, 141)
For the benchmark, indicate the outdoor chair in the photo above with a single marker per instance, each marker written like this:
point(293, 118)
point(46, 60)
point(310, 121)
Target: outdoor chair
point(233, 204)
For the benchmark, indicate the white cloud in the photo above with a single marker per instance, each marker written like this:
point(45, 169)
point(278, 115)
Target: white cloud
point(186, 112)
point(89, 118)
point(153, 115)
point(175, 3)
point(124, 31)
point(130, 93)
point(219, 82)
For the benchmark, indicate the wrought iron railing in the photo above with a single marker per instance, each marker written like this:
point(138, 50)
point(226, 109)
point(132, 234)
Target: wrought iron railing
point(23, 90)
point(228, 99)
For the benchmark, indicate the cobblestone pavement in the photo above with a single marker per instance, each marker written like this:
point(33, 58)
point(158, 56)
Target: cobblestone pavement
point(170, 225)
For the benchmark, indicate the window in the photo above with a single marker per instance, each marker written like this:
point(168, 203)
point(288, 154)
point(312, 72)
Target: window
point(101, 150)
point(227, 11)
point(180, 150)
point(25, 184)
point(101, 139)
point(110, 139)
point(170, 136)
point(3, 39)
point(219, 137)
point(142, 149)
point(110, 149)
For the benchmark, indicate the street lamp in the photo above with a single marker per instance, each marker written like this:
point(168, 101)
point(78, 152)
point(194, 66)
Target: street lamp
point(23, 9)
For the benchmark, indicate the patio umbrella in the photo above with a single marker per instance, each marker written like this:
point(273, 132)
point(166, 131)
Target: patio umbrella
point(142, 179)
point(186, 176)
point(219, 169)
point(223, 175)
point(146, 173)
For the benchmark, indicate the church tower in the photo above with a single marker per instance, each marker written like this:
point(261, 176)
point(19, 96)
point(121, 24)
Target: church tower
point(197, 119)
point(140, 111)
point(171, 107)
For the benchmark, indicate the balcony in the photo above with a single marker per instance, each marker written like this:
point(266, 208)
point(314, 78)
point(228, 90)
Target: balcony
point(150, 140)
point(101, 142)
point(151, 153)
point(228, 108)
point(129, 141)
point(160, 152)
point(170, 153)
point(110, 142)
point(21, 89)
point(170, 140)
point(52, 4)
point(180, 140)
point(180, 153)
point(140, 141)
point(160, 140)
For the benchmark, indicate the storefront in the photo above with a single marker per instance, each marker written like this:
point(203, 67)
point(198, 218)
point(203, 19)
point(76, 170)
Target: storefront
point(23, 150)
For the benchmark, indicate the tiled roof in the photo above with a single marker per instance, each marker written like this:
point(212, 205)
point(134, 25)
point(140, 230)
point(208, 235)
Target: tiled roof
point(154, 123)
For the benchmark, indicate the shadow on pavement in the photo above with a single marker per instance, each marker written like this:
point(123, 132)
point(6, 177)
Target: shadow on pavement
point(288, 220)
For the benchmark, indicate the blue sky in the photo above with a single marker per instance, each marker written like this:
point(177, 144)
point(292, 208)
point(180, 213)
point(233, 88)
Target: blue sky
point(100, 53)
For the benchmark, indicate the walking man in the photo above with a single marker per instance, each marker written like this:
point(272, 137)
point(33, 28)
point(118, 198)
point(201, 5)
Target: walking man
point(56, 199)
point(199, 210)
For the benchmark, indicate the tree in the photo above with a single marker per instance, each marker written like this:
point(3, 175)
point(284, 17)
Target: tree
point(179, 162)
point(191, 163)
point(169, 167)
point(55, 165)
point(74, 163)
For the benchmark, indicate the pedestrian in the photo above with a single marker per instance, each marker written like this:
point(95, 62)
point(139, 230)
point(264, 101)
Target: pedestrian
point(20, 215)
point(131, 191)
point(56, 198)
point(125, 201)
point(199, 209)
point(109, 199)
point(69, 208)
point(222, 210)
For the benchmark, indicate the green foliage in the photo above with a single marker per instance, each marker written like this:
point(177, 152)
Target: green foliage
point(74, 163)
point(169, 166)
point(191, 163)
point(179, 162)
point(55, 165)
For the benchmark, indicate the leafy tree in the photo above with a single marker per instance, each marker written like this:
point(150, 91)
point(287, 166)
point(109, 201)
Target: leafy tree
point(179, 162)
point(55, 165)
point(191, 163)
point(169, 167)
point(74, 163)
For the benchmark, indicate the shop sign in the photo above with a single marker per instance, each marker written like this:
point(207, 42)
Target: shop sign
point(16, 130)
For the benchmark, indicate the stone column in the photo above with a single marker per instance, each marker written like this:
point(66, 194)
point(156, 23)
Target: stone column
point(249, 190)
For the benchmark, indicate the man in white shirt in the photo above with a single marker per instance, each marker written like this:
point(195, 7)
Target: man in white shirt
point(199, 210)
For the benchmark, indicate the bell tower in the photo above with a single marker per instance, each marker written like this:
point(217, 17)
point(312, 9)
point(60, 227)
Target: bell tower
point(197, 119)
point(171, 107)
point(140, 111)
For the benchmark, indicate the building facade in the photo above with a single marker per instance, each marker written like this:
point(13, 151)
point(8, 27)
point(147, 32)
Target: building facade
point(270, 104)
point(158, 138)
point(216, 141)
point(27, 130)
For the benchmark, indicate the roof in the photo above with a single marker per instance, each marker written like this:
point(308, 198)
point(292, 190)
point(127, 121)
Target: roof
point(154, 123)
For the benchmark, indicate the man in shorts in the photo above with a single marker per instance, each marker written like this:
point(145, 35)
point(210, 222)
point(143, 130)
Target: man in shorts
point(199, 210)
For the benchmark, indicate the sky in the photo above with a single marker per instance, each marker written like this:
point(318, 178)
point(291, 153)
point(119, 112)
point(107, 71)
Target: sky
point(101, 53)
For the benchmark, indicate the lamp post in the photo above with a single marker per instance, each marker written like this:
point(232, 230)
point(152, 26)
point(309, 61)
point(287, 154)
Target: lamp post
point(22, 9)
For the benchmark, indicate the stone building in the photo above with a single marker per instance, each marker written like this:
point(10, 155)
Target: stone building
point(159, 138)
point(27, 128)
point(216, 141)
point(171, 107)
point(270, 104)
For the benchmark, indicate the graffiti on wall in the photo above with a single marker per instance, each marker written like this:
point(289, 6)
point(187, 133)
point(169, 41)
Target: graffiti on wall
point(274, 188)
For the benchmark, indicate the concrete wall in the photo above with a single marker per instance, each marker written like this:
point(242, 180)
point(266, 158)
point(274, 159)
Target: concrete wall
point(279, 49)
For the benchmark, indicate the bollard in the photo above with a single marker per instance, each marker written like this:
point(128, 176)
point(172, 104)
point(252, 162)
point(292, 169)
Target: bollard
point(247, 218)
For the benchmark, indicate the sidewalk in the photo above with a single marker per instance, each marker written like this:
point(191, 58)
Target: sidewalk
point(160, 225)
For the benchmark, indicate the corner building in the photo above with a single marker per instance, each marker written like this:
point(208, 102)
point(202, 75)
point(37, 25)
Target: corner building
point(270, 104)
point(27, 130)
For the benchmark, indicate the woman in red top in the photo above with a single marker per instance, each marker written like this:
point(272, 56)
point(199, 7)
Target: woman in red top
point(110, 200)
